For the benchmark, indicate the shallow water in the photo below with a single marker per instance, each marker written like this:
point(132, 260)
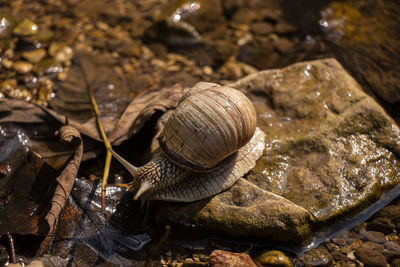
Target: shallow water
point(123, 42)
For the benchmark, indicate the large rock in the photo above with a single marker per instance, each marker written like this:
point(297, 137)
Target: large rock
point(245, 211)
point(331, 150)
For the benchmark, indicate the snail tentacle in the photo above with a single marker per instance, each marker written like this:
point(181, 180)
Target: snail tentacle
point(134, 171)
point(157, 174)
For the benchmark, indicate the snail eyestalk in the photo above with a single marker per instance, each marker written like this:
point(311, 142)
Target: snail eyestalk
point(134, 171)
point(144, 186)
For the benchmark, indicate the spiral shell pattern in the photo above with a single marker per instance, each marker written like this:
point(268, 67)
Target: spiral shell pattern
point(207, 127)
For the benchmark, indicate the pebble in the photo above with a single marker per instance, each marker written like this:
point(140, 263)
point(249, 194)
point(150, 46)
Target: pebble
point(9, 84)
point(392, 246)
point(274, 258)
point(7, 63)
point(376, 237)
point(62, 76)
point(34, 56)
point(338, 256)
point(192, 263)
point(317, 257)
point(127, 67)
point(26, 28)
point(22, 67)
point(48, 66)
point(30, 80)
point(60, 51)
point(207, 70)
point(283, 45)
point(5, 27)
point(261, 28)
point(370, 257)
point(20, 94)
point(285, 28)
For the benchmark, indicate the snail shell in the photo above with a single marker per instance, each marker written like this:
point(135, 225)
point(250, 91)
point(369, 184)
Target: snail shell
point(209, 142)
point(207, 127)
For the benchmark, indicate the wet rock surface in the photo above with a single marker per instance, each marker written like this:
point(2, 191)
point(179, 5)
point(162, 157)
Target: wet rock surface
point(133, 47)
point(331, 151)
point(244, 211)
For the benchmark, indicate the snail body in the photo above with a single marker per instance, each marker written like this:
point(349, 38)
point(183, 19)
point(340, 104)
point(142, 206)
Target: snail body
point(207, 144)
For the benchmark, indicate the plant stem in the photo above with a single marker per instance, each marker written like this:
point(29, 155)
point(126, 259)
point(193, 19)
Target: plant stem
point(103, 136)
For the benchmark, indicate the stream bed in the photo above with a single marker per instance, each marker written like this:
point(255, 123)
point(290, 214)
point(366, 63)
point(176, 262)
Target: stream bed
point(322, 75)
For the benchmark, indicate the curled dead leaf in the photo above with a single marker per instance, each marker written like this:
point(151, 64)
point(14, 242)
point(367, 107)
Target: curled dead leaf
point(66, 179)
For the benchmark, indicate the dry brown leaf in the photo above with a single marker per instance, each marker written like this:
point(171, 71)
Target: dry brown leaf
point(66, 179)
point(132, 120)
point(134, 117)
point(20, 111)
point(221, 258)
point(142, 108)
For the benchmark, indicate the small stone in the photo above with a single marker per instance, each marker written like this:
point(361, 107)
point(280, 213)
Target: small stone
point(26, 28)
point(283, 45)
point(128, 47)
point(381, 224)
point(62, 76)
point(274, 258)
point(45, 91)
point(127, 67)
point(158, 63)
point(102, 25)
point(34, 56)
point(9, 84)
point(48, 66)
point(22, 67)
point(7, 63)
point(285, 28)
point(338, 256)
point(372, 245)
point(370, 257)
point(61, 52)
point(339, 241)
point(376, 237)
point(319, 256)
point(5, 27)
point(30, 80)
point(392, 246)
point(20, 94)
point(351, 256)
point(391, 255)
point(192, 263)
point(207, 70)
point(261, 28)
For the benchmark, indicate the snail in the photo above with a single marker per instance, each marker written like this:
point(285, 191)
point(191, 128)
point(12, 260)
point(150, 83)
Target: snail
point(207, 144)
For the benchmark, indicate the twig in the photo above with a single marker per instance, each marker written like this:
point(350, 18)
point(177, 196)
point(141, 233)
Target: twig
point(103, 136)
point(155, 249)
